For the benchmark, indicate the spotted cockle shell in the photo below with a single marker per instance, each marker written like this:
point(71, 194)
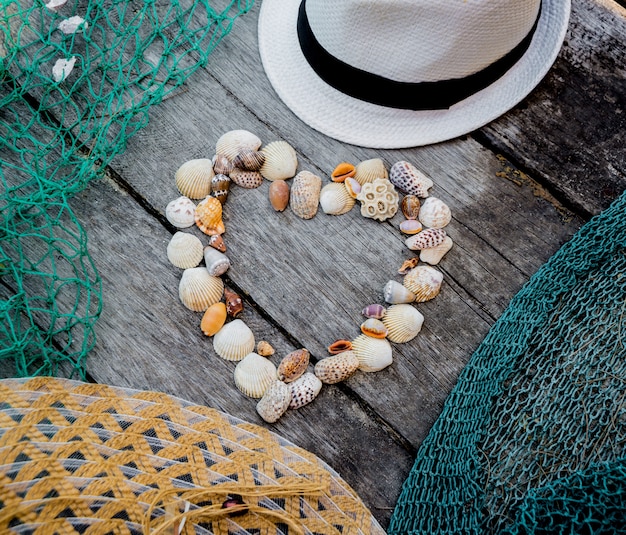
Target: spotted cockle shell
point(342, 171)
point(407, 178)
point(208, 216)
point(337, 368)
point(374, 354)
point(403, 323)
point(305, 194)
point(410, 226)
point(374, 328)
point(304, 390)
point(221, 165)
point(193, 178)
point(379, 199)
point(410, 206)
point(370, 170)
point(279, 195)
point(198, 290)
point(184, 250)
point(213, 319)
point(246, 179)
point(281, 161)
point(435, 213)
point(254, 374)
point(220, 186)
point(335, 199)
point(233, 142)
point(234, 340)
point(433, 255)
point(274, 402)
point(250, 160)
point(352, 187)
point(424, 282)
point(395, 293)
point(216, 262)
point(427, 238)
point(374, 311)
point(181, 212)
point(293, 365)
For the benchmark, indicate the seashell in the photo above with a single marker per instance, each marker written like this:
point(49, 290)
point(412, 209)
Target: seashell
point(264, 348)
point(374, 328)
point(337, 368)
point(220, 185)
point(424, 282)
point(221, 165)
point(180, 212)
point(304, 390)
point(254, 374)
point(395, 293)
point(374, 311)
point(435, 213)
point(279, 195)
point(193, 178)
point(374, 354)
point(305, 194)
point(198, 290)
point(403, 323)
point(427, 238)
point(379, 199)
point(410, 206)
point(246, 179)
point(250, 160)
point(217, 242)
point(234, 304)
point(216, 262)
point(184, 250)
point(411, 226)
point(233, 142)
point(274, 402)
point(339, 346)
point(433, 255)
point(342, 171)
point(208, 216)
point(281, 161)
point(408, 265)
point(352, 187)
point(220, 195)
point(370, 170)
point(407, 178)
point(335, 199)
point(234, 341)
point(293, 365)
point(213, 319)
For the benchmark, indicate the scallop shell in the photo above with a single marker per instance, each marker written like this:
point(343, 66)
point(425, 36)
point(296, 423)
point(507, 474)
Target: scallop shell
point(410, 206)
point(427, 238)
point(342, 171)
point(281, 161)
point(264, 348)
point(411, 226)
point(374, 354)
point(274, 402)
point(435, 213)
point(424, 282)
point(370, 170)
point(305, 194)
point(180, 212)
point(337, 368)
point(193, 178)
point(374, 328)
point(293, 365)
point(184, 250)
point(339, 346)
point(403, 323)
point(379, 199)
point(395, 293)
point(335, 199)
point(246, 179)
point(374, 311)
point(216, 262)
point(198, 290)
point(208, 216)
point(234, 341)
point(304, 390)
point(250, 160)
point(433, 255)
point(234, 304)
point(217, 242)
point(233, 142)
point(254, 374)
point(407, 178)
point(213, 319)
point(352, 187)
point(279, 195)
point(221, 165)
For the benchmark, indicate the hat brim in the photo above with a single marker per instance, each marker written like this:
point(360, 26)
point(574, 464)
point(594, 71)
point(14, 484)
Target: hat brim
point(360, 123)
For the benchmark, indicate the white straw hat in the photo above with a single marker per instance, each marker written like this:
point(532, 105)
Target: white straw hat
point(402, 73)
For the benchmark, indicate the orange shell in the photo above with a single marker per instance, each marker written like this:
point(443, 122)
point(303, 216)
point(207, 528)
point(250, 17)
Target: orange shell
point(339, 346)
point(293, 365)
point(213, 319)
point(374, 328)
point(208, 216)
point(343, 171)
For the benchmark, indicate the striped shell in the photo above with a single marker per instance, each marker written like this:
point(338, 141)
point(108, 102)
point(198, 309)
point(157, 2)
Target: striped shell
point(221, 165)
point(254, 374)
point(379, 199)
point(342, 171)
point(427, 238)
point(233, 142)
point(395, 293)
point(198, 290)
point(424, 282)
point(193, 178)
point(407, 178)
point(337, 368)
point(370, 170)
point(403, 323)
point(374, 354)
point(435, 213)
point(374, 311)
point(274, 402)
point(433, 255)
point(279, 195)
point(216, 262)
point(374, 328)
point(281, 161)
point(305, 194)
point(335, 199)
point(293, 365)
point(304, 390)
point(250, 160)
point(234, 341)
point(410, 206)
point(181, 212)
point(213, 319)
point(184, 250)
point(208, 216)
point(246, 179)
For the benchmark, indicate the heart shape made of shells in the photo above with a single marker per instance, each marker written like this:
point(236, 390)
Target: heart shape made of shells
point(239, 159)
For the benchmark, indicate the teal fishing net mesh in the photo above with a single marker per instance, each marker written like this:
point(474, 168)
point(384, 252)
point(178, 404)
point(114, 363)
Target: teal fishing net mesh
point(70, 98)
point(533, 437)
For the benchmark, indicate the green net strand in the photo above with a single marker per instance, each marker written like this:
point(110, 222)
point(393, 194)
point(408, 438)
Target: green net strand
point(539, 412)
point(58, 132)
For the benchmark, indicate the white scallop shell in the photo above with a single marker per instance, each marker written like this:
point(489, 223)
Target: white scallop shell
point(216, 262)
point(433, 255)
point(234, 340)
point(281, 161)
point(434, 213)
point(403, 323)
point(370, 170)
point(374, 354)
point(181, 212)
point(424, 282)
point(198, 290)
point(233, 142)
point(254, 374)
point(184, 250)
point(395, 292)
point(336, 368)
point(304, 390)
point(274, 402)
point(335, 199)
point(193, 178)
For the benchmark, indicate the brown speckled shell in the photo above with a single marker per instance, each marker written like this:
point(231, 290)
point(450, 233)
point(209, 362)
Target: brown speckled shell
point(305, 194)
point(337, 368)
point(293, 365)
point(304, 390)
point(246, 179)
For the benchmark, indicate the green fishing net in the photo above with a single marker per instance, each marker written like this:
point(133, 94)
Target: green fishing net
point(533, 437)
point(77, 80)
